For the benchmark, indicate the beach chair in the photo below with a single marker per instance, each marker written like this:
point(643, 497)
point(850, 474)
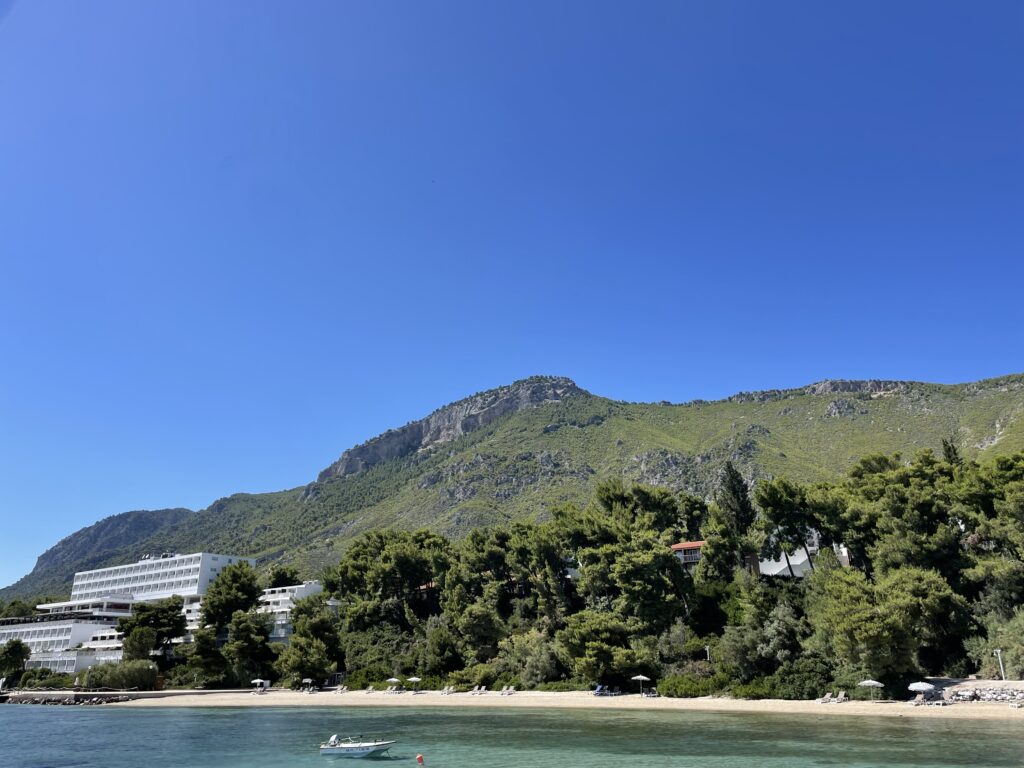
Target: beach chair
point(917, 700)
point(842, 698)
point(369, 689)
point(599, 691)
point(616, 691)
point(511, 690)
point(826, 699)
point(503, 691)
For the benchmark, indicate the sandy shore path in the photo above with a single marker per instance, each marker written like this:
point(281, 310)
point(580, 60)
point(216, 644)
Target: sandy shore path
point(580, 700)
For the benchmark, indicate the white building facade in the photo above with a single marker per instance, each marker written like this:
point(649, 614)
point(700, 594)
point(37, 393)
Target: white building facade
point(72, 635)
point(278, 603)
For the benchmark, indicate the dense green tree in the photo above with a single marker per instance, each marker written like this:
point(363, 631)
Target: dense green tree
point(304, 657)
point(236, 588)
point(785, 518)
point(693, 513)
point(247, 649)
point(592, 645)
point(441, 652)
point(881, 629)
point(1005, 635)
point(164, 617)
point(139, 644)
point(205, 665)
point(283, 576)
point(16, 609)
point(13, 655)
point(723, 548)
point(733, 498)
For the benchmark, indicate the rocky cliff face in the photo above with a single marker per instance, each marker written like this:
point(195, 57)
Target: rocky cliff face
point(451, 422)
point(875, 387)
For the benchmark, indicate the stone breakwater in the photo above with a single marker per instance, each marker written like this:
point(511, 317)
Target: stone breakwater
point(988, 694)
point(66, 700)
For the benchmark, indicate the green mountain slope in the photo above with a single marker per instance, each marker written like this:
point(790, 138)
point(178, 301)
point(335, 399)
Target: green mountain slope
point(515, 451)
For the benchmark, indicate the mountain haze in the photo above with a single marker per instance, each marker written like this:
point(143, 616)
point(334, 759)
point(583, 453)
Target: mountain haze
point(516, 451)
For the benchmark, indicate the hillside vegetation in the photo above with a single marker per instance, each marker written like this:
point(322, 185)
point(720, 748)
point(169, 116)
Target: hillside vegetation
point(516, 452)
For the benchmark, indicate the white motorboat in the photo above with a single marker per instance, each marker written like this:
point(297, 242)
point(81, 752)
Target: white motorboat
point(351, 748)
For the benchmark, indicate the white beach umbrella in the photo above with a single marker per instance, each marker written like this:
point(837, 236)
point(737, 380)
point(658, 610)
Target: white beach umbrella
point(393, 680)
point(413, 680)
point(258, 681)
point(643, 679)
point(920, 687)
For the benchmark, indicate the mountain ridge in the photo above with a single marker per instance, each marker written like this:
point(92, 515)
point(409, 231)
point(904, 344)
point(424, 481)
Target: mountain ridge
point(517, 450)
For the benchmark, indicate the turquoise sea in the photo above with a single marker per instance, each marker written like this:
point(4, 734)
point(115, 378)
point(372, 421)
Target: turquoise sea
point(113, 737)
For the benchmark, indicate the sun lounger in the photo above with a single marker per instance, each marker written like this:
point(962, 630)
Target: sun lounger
point(826, 699)
point(842, 698)
point(369, 689)
point(511, 690)
point(599, 691)
point(615, 691)
point(917, 700)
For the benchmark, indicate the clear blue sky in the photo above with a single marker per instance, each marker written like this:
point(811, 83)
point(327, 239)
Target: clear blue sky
point(237, 238)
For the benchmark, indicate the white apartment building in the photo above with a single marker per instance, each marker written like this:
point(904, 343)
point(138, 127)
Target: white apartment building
point(278, 602)
point(72, 635)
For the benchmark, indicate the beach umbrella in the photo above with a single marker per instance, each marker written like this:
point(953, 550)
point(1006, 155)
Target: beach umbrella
point(870, 684)
point(920, 687)
point(643, 679)
point(393, 680)
point(414, 680)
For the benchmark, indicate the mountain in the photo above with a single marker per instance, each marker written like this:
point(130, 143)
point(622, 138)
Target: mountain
point(515, 451)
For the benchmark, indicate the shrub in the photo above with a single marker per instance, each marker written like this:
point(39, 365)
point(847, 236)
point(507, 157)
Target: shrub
point(137, 675)
point(758, 688)
point(691, 686)
point(361, 678)
point(806, 678)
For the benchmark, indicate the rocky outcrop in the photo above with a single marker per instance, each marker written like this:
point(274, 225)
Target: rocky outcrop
point(837, 409)
point(451, 422)
point(871, 387)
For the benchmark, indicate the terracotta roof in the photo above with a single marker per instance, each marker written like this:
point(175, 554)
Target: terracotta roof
point(687, 545)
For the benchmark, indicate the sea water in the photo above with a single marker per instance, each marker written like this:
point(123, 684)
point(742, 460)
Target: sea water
point(115, 737)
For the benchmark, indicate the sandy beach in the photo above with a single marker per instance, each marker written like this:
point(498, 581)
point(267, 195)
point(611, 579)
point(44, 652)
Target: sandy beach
point(578, 700)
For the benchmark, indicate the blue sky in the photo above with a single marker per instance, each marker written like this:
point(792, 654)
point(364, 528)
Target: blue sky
point(237, 238)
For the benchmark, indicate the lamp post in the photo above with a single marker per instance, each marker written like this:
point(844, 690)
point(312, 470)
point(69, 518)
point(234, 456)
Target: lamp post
point(998, 653)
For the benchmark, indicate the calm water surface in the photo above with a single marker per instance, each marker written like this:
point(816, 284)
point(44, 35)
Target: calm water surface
point(109, 737)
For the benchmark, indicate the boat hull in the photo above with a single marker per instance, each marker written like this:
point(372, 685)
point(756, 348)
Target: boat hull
point(356, 750)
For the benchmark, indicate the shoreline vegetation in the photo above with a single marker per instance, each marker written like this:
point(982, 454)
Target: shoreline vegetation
point(578, 700)
point(918, 572)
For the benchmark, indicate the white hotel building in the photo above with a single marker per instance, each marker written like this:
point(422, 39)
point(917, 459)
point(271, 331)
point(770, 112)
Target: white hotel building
point(278, 603)
point(72, 635)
